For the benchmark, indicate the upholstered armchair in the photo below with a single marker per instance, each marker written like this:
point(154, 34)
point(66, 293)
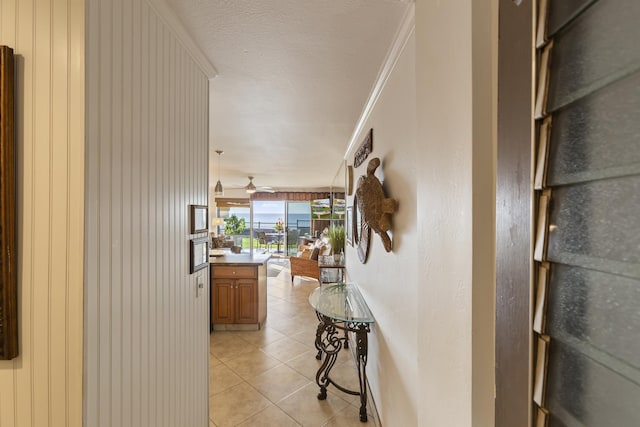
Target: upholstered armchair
point(306, 264)
point(304, 267)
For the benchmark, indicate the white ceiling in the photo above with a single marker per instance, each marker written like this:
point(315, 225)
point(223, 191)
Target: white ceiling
point(293, 79)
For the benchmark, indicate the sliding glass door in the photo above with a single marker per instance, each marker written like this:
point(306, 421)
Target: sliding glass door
point(268, 226)
point(277, 225)
point(298, 224)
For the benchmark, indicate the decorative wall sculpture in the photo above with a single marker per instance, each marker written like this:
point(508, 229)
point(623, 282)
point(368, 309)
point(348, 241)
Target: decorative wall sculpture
point(363, 151)
point(374, 211)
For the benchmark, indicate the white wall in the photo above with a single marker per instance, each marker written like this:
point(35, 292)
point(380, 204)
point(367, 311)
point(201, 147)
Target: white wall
point(455, 65)
point(146, 332)
point(389, 281)
point(431, 350)
point(43, 385)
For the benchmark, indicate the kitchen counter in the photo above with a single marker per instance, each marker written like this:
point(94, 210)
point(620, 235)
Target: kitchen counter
point(230, 258)
point(238, 288)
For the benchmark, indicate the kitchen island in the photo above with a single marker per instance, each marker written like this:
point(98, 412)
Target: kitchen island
point(238, 289)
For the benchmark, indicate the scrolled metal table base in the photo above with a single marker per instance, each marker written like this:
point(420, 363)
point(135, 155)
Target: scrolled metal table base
point(329, 341)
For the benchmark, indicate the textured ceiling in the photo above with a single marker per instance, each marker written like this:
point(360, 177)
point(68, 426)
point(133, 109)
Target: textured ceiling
point(293, 78)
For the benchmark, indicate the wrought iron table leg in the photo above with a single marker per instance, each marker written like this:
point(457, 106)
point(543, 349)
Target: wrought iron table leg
point(329, 341)
point(319, 331)
point(361, 355)
point(330, 345)
point(322, 376)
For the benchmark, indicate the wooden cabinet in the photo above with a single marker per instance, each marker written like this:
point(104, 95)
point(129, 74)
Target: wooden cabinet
point(246, 301)
point(238, 296)
point(223, 301)
point(235, 301)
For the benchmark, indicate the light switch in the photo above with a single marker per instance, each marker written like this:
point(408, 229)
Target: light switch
point(199, 285)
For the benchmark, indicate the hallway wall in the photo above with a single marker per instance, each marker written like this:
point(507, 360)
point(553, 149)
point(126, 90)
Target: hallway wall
point(431, 350)
point(43, 385)
point(389, 281)
point(456, 57)
point(146, 330)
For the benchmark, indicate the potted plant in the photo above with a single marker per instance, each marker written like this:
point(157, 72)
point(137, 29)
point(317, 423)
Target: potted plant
point(337, 239)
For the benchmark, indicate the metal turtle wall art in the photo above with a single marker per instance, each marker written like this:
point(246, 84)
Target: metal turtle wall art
point(374, 207)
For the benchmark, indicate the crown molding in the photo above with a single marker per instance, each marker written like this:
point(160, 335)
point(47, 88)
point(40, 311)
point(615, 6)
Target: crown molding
point(171, 20)
point(407, 26)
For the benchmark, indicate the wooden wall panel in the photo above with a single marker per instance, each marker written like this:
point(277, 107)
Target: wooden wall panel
point(43, 386)
point(8, 258)
point(514, 207)
point(147, 150)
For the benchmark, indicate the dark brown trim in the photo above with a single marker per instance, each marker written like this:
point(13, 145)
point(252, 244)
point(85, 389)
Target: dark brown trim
point(8, 264)
point(514, 195)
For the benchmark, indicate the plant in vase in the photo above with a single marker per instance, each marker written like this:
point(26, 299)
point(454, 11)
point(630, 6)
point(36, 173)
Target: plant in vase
point(279, 226)
point(337, 239)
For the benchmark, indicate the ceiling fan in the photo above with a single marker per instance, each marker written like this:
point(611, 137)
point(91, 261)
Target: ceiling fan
point(250, 188)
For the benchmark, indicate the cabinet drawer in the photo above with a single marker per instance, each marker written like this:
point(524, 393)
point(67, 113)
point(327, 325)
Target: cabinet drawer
point(229, 272)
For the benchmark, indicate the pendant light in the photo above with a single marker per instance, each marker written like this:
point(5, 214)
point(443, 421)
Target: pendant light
point(218, 190)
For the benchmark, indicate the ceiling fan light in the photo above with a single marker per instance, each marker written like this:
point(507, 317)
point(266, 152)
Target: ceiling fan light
point(218, 190)
point(250, 187)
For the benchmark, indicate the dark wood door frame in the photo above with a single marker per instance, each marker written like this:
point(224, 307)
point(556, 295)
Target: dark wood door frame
point(8, 242)
point(514, 203)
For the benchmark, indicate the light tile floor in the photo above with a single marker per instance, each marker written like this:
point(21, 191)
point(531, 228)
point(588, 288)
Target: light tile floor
point(267, 377)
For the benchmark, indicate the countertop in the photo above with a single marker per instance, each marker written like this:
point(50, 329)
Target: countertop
point(240, 259)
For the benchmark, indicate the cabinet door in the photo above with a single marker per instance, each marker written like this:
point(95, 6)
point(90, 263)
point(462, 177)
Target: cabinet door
point(222, 301)
point(246, 301)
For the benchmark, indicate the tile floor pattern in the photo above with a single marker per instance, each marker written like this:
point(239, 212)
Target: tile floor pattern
point(267, 377)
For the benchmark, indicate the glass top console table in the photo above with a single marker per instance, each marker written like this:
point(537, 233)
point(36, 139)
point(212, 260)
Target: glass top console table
point(341, 307)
